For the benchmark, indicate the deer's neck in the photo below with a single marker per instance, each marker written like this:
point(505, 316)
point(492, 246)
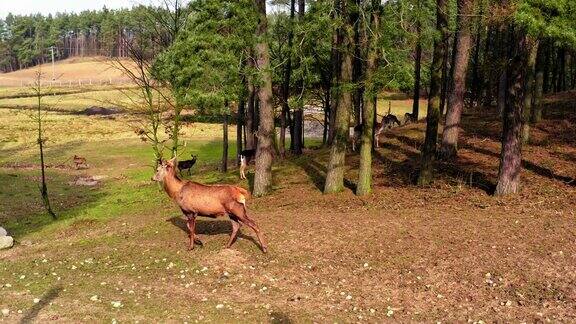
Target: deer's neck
point(172, 185)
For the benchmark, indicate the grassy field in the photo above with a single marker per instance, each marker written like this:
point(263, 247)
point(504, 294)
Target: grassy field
point(449, 252)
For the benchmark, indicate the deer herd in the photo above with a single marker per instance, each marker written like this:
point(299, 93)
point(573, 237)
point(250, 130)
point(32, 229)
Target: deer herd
point(195, 199)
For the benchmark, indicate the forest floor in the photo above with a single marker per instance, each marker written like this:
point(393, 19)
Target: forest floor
point(449, 252)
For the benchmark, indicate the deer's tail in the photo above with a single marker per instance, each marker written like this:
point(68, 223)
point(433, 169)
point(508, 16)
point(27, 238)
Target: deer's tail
point(243, 194)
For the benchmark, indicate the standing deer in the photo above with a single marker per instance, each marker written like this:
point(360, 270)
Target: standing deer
point(195, 199)
point(187, 164)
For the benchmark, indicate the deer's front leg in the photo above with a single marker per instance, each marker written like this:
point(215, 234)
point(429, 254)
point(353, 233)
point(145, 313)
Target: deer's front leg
point(191, 224)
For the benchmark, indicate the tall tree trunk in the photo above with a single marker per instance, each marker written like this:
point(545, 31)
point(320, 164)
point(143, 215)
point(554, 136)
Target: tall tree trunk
point(357, 69)
point(445, 77)
point(263, 170)
point(546, 69)
point(566, 79)
point(284, 116)
point(561, 81)
point(433, 112)
point(224, 167)
point(298, 131)
point(40, 141)
point(511, 152)
point(502, 63)
point(417, 65)
point(573, 69)
point(335, 59)
point(488, 85)
point(239, 127)
point(250, 116)
point(539, 84)
point(326, 115)
point(449, 147)
point(476, 81)
point(335, 173)
point(298, 137)
point(176, 128)
point(370, 95)
point(532, 45)
point(556, 70)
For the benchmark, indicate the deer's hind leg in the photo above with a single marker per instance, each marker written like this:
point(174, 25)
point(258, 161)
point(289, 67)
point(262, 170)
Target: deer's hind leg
point(235, 227)
point(239, 210)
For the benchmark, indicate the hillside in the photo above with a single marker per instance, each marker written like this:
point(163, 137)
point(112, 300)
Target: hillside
point(70, 72)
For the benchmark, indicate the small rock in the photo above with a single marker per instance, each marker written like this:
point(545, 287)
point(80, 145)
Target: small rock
point(116, 304)
point(36, 300)
point(5, 311)
point(3, 232)
point(94, 298)
point(219, 306)
point(6, 242)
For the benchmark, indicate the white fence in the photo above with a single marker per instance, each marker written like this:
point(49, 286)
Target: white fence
point(5, 82)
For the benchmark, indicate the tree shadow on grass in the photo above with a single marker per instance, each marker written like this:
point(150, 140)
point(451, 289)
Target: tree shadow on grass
point(317, 173)
point(409, 169)
point(210, 227)
point(46, 299)
point(539, 170)
point(21, 209)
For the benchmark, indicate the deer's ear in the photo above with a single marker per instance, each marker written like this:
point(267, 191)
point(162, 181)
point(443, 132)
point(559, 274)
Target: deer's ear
point(171, 162)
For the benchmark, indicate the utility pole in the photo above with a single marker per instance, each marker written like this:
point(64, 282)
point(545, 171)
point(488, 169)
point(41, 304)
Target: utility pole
point(52, 53)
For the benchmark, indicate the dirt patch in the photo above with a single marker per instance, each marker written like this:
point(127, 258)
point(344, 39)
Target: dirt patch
point(102, 111)
point(89, 181)
point(227, 260)
point(32, 166)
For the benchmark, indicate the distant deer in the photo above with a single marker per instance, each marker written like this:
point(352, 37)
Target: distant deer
point(409, 118)
point(187, 164)
point(388, 122)
point(246, 157)
point(195, 199)
point(355, 133)
point(79, 162)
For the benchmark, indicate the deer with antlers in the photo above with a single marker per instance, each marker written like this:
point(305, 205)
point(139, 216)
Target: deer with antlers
point(196, 199)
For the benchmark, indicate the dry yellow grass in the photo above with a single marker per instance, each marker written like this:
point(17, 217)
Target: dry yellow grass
point(72, 101)
point(18, 130)
point(69, 72)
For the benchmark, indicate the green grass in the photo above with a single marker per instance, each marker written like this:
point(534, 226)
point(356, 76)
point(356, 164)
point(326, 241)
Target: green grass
point(126, 195)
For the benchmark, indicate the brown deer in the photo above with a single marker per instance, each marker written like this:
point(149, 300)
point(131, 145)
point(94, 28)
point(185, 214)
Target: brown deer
point(195, 199)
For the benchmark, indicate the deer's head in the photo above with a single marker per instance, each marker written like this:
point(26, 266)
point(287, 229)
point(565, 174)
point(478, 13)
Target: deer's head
point(163, 169)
